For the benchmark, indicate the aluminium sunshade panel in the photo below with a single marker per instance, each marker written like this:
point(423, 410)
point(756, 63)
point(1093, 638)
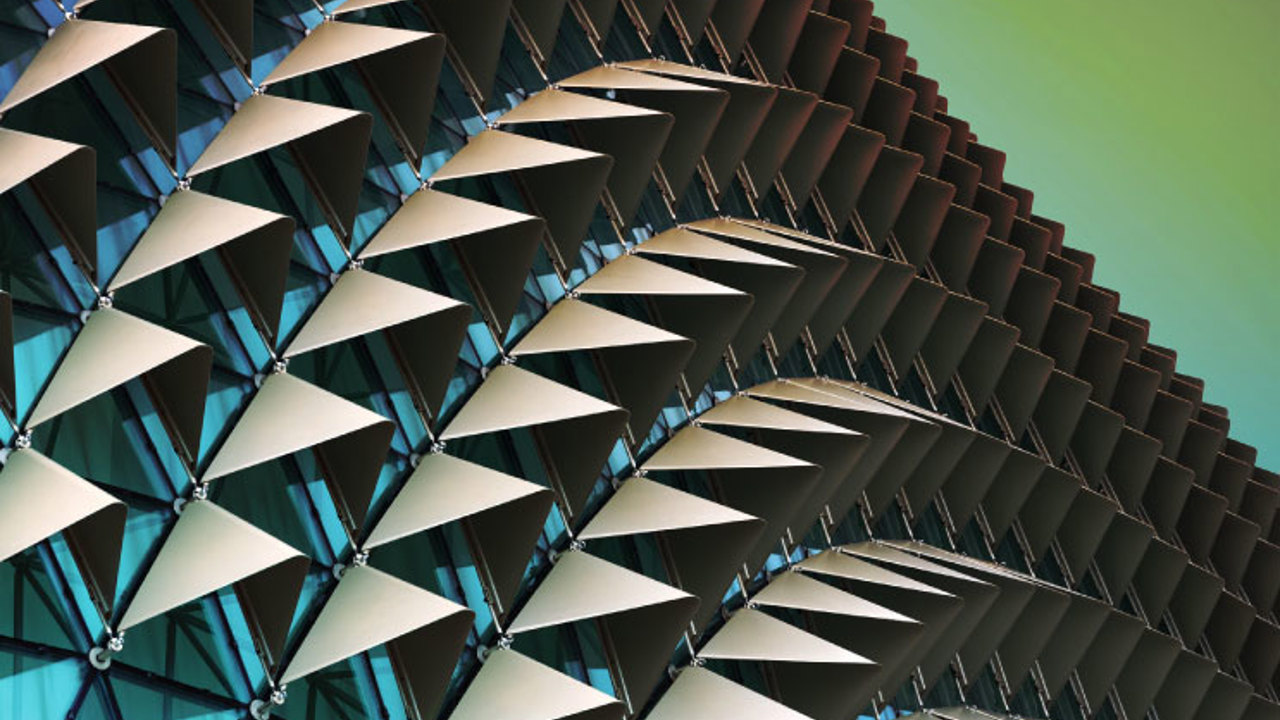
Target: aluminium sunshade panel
point(812, 152)
point(475, 32)
point(641, 363)
point(859, 270)
point(822, 266)
point(917, 444)
point(777, 137)
point(888, 110)
point(817, 50)
point(775, 35)
point(956, 247)
point(863, 326)
point(747, 477)
point(380, 55)
point(700, 694)
point(561, 183)
point(1015, 594)
point(733, 23)
point(423, 634)
point(209, 548)
point(329, 145)
point(425, 330)
point(929, 138)
point(868, 629)
point(254, 246)
point(697, 110)
point(141, 61)
point(704, 543)
point(948, 340)
point(63, 177)
point(496, 246)
point(979, 597)
point(885, 425)
point(933, 607)
point(633, 136)
point(502, 514)
point(846, 174)
point(640, 617)
point(39, 498)
point(814, 676)
point(748, 106)
point(349, 441)
point(921, 218)
point(541, 25)
point(835, 449)
point(114, 347)
point(911, 321)
point(575, 431)
point(511, 685)
point(708, 313)
point(771, 283)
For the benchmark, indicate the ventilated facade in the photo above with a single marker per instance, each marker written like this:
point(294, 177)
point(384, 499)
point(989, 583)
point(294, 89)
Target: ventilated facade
point(581, 359)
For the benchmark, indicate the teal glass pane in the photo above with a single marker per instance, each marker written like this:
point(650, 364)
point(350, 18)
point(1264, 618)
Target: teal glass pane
point(143, 532)
point(31, 607)
point(187, 646)
point(144, 699)
point(38, 687)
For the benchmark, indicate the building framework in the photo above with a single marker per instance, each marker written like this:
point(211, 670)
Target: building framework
point(578, 359)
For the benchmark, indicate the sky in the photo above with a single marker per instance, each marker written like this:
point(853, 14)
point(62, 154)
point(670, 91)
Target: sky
point(1148, 127)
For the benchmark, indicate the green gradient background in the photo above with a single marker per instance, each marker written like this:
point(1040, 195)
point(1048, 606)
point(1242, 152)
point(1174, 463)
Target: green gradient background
point(1148, 127)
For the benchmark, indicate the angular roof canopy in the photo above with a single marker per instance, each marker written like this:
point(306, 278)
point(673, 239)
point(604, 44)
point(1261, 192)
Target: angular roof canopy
point(254, 245)
point(381, 54)
point(64, 178)
point(577, 431)
point(350, 441)
point(113, 348)
point(823, 266)
point(750, 478)
point(707, 542)
point(562, 183)
point(642, 618)
point(423, 632)
point(425, 329)
point(510, 685)
point(772, 283)
point(541, 20)
point(232, 24)
point(141, 61)
point(504, 514)
point(475, 30)
point(495, 245)
point(778, 134)
point(836, 449)
point(39, 497)
point(642, 363)
point(707, 312)
point(699, 694)
point(330, 145)
point(860, 626)
point(696, 110)
point(633, 136)
point(208, 549)
point(749, 103)
point(817, 677)
point(815, 149)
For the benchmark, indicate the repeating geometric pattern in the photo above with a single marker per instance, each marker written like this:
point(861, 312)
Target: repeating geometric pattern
point(590, 359)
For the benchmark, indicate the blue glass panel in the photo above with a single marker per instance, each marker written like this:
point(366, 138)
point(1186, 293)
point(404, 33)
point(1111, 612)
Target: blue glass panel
point(37, 687)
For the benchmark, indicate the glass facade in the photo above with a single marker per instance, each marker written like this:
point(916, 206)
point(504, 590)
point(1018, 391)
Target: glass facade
point(540, 359)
